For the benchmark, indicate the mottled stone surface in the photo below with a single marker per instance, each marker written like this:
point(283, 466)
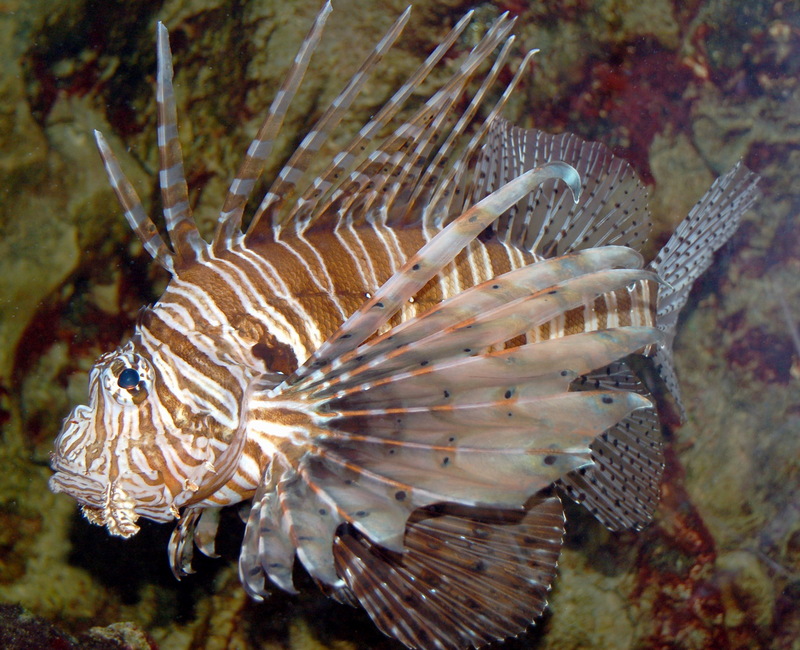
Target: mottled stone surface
point(681, 89)
point(21, 630)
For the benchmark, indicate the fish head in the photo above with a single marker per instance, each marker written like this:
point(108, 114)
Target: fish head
point(131, 451)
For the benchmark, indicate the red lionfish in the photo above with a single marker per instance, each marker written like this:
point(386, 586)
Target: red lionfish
point(403, 361)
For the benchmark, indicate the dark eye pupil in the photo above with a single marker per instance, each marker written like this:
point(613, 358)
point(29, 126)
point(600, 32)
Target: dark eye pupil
point(128, 378)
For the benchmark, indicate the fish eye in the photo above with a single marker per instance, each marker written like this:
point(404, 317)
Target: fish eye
point(128, 379)
point(123, 375)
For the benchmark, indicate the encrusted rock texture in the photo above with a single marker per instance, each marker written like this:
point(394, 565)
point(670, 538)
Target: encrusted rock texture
point(681, 89)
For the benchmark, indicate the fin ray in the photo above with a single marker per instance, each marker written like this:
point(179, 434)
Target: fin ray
point(268, 215)
point(186, 240)
point(131, 204)
point(314, 207)
point(230, 219)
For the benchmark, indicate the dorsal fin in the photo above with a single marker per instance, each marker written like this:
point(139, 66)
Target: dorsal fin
point(435, 182)
point(318, 196)
point(230, 218)
point(418, 174)
point(613, 207)
point(131, 204)
point(186, 241)
point(181, 228)
point(268, 214)
point(368, 181)
point(390, 180)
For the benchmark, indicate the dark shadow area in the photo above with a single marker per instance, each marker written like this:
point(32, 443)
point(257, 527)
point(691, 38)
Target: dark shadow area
point(126, 566)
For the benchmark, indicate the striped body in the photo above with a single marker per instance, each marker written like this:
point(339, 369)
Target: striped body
point(296, 293)
point(401, 363)
point(273, 305)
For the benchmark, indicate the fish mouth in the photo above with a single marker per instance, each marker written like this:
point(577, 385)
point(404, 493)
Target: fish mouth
point(103, 505)
point(69, 462)
point(86, 491)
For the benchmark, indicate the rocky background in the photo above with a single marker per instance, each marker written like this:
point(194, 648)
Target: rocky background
point(681, 89)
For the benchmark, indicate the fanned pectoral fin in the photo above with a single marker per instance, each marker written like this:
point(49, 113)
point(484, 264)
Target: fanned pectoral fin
point(469, 576)
point(440, 422)
point(437, 411)
point(494, 454)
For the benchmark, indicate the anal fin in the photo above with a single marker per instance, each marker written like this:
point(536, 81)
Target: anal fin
point(622, 486)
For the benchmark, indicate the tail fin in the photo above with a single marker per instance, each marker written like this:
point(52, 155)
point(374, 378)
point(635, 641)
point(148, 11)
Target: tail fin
point(689, 252)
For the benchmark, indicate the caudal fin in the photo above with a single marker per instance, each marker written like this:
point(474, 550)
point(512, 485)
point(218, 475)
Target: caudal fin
point(689, 252)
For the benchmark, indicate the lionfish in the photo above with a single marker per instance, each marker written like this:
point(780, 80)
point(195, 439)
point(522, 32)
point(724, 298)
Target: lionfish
point(403, 363)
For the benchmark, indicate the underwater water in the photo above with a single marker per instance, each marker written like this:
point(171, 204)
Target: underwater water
point(681, 90)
